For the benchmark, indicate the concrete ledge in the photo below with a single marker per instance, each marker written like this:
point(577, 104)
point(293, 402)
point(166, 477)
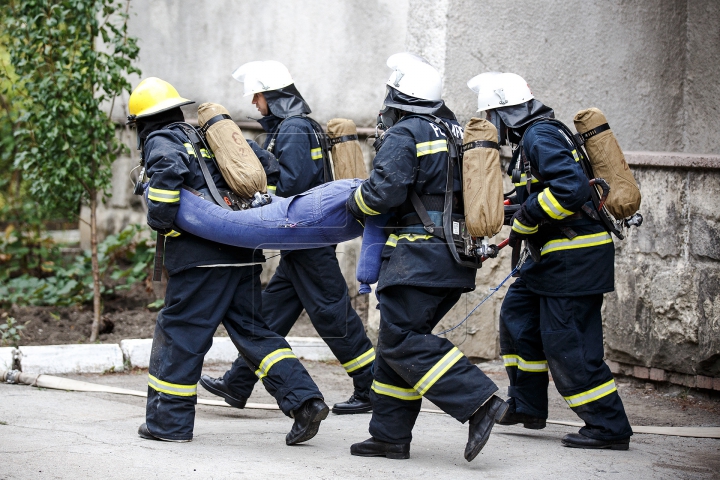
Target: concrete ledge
point(54, 359)
point(137, 351)
point(6, 358)
point(673, 160)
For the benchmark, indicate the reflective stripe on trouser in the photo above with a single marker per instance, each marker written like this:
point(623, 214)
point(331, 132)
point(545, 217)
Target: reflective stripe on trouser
point(567, 331)
point(272, 359)
point(172, 388)
point(429, 366)
point(311, 280)
point(197, 300)
point(537, 366)
point(359, 362)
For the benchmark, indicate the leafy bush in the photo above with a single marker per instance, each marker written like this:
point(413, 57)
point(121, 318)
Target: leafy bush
point(124, 260)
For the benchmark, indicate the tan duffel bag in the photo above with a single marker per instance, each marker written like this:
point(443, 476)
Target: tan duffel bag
point(608, 162)
point(347, 156)
point(482, 179)
point(238, 164)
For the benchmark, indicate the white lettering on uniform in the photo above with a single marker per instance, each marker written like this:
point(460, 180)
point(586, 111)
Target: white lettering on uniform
point(436, 129)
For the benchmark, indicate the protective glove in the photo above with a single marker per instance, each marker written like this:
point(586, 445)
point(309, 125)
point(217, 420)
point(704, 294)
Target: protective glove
point(523, 225)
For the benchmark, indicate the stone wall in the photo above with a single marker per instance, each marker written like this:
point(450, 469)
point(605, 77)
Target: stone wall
point(665, 311)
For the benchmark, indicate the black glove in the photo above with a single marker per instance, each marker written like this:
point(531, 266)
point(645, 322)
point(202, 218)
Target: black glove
point(523, 225)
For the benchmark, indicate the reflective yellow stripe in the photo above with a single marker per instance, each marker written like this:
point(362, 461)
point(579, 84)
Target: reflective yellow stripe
point(172, 233)
point(426, 148)
point(523, 180)
point(523, 229)
point(411, 237)
point(206, 154)
point(591, 395)
point(393, 391)
point(552, 207)
point(271, 360)
point(525, 365)
point(361, 203)
point(575, 155)
point(172, 388)
point(189, 148)
point(271, 188)
point(438, 370)
point(316, 153)
point(359, 362)
point(581, 241)
point(165, 196)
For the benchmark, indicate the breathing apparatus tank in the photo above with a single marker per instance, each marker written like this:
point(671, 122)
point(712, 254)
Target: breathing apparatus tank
point(482, 179)
point(236, 160)
point(347, 157)
point(608, 162)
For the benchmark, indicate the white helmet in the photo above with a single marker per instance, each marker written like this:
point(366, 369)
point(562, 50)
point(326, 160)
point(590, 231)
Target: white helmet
point(414, 76)
point(497, 90)
point(262, 76)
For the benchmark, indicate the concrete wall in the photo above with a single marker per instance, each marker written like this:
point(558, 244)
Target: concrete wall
point(335, 51)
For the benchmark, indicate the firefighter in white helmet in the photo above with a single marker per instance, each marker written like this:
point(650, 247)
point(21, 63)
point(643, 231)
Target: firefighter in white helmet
point(310, 279)
point(419, 279)
point(551, 318)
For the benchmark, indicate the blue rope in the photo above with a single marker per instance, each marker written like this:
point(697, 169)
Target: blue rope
point(492, 292)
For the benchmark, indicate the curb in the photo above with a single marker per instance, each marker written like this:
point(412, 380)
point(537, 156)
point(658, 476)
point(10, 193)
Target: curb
point(132, 353)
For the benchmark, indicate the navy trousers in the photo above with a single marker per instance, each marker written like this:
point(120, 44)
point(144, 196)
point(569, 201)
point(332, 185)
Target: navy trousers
point(197, 300)
point(564, 335)
point(311, 279)
point(412, 363)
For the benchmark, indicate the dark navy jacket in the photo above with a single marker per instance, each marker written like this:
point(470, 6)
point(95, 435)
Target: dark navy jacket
point(413, 154)
point(170, 164)
point(585, 264)
point(298, 150)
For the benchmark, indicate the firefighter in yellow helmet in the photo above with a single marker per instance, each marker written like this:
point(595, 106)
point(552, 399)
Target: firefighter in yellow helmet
point(199, 298)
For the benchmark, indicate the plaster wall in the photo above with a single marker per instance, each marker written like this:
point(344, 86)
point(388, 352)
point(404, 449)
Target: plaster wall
point(335, 51)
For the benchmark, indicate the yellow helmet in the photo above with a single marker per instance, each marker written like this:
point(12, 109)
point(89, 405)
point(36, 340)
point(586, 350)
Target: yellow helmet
point(152, 96)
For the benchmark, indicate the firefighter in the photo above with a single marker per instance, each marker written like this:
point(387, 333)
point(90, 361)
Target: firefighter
point(208, 283)
point(419, 280)
point(550, 318)
point(305, 279)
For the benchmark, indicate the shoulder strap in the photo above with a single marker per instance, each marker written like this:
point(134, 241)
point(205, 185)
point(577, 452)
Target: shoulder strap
point(325, 148)
point(196, 142)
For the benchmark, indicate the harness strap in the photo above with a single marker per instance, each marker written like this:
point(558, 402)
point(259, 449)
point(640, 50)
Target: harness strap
point(195, 140)
point(480, 144)
point(422, 213)
point(213, 121)
point(343, 139)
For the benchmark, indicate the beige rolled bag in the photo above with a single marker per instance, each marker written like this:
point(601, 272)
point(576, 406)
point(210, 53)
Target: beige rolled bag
point(482, 180)
point(608, 162)
point(347, 155)
point(238, 164)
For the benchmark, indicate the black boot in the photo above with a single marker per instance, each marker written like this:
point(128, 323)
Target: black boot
point(307, 421)
point(355, 404)
point(528, 421)
point(217, 386)
point(578, 440)
point(145, 433)
point(481, 424)
point(375, 448)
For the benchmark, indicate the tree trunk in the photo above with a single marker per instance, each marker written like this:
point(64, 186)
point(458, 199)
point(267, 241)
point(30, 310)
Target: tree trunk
point(95, 267)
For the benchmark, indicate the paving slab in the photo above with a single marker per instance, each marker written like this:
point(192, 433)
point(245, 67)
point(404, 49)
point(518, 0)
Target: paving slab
point(57, 434)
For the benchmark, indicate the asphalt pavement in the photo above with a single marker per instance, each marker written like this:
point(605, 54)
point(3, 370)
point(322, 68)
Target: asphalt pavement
point(59, 434)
